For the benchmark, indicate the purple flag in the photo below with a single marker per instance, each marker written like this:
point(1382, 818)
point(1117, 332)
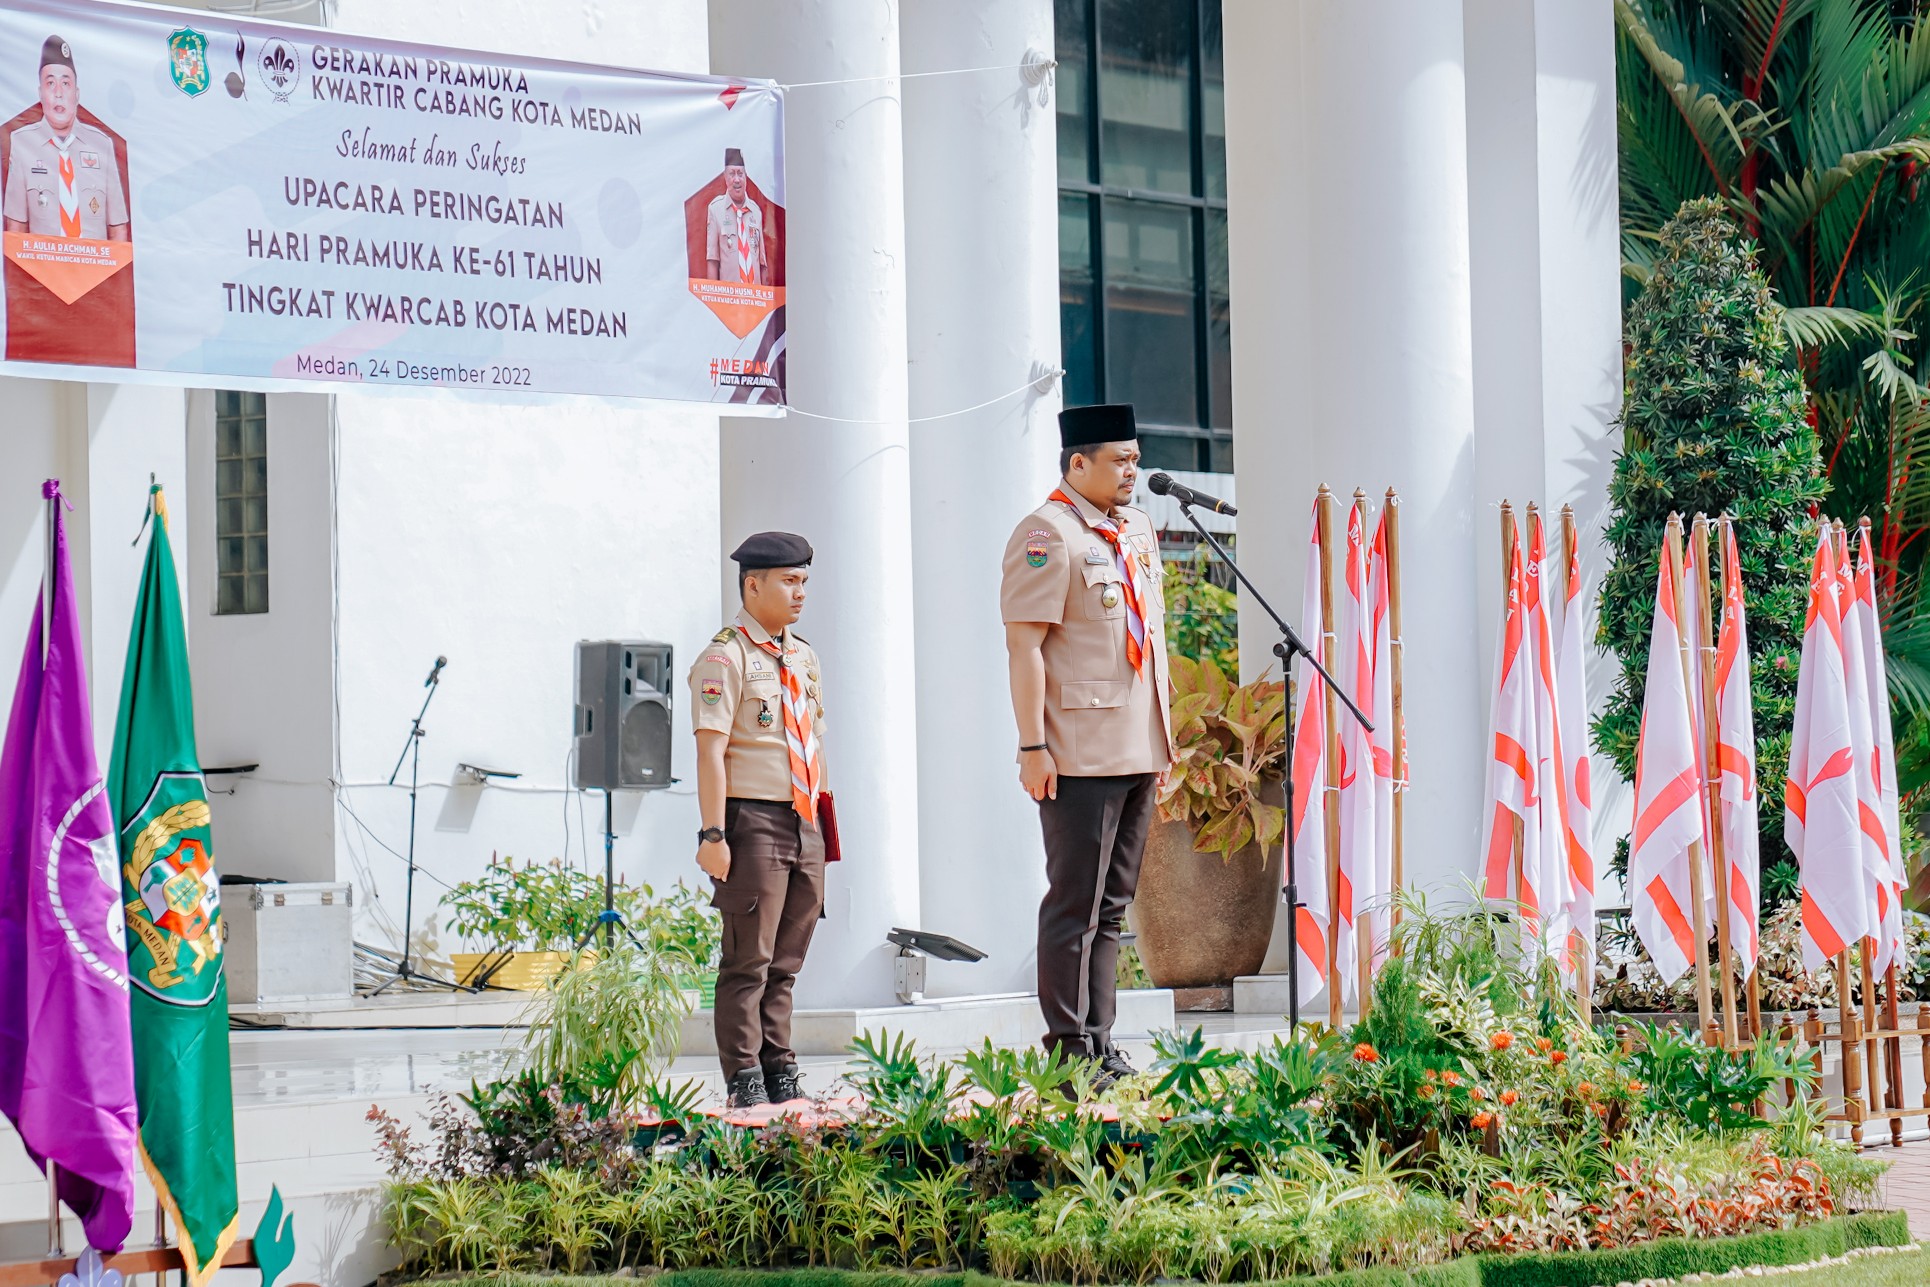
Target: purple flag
point(66, 1051)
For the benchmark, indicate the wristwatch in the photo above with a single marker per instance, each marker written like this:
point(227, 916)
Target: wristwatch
point(710, 835)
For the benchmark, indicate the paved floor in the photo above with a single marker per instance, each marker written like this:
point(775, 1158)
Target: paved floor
point(1907, 1185)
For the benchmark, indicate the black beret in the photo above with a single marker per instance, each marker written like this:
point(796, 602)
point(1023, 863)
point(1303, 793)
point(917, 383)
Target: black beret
point(733, 156)
point(773, 550)
point(1107, 422)
point(55, 53)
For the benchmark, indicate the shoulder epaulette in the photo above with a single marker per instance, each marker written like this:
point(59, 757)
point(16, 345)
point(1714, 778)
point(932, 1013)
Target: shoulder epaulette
point(725, 635)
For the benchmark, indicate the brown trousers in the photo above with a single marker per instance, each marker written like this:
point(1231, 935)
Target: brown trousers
point(1095, 836)
point(770, 902)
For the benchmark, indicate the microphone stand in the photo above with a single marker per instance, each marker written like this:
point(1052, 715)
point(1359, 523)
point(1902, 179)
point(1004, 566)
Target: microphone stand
point(412, 752)
point(1289, 647)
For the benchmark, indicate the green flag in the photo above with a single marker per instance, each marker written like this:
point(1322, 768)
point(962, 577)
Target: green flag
point(172, 896)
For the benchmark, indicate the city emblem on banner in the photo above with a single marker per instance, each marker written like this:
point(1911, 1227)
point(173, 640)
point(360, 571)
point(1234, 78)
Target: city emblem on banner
point(175, 910)
point(188, 60)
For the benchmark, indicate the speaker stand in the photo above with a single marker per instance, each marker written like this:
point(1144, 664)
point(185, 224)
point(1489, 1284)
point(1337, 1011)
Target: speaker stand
point(609, 920)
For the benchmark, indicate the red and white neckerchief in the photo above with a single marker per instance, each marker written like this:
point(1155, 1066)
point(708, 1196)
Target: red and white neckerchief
point(800, 737)
point(746, 259)
point(1114, 534)
point(69, 197)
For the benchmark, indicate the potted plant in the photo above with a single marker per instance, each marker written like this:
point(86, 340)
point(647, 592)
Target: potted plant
point(1211, 877)
point(531, 917)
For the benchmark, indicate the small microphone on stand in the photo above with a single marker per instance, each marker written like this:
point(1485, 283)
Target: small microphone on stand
point(440, 663)
point(1163, 485)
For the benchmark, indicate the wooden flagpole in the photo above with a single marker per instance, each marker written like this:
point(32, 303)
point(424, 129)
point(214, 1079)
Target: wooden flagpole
point(1585, 969)
point(1712, 774)
point(1364, 915)
point(1698, 891)
point(1324, 505)
point(1507, 579)
point(1396, 660)
point(1753, 982)
point(1891, 1019)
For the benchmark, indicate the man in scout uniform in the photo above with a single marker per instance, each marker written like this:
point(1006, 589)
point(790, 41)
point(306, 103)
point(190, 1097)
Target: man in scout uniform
point(1084, 633)
point(734, 228)
point(759, 722)
point(62, 178)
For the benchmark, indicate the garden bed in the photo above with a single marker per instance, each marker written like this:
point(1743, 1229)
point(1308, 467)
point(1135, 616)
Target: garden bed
point(1668, 1258)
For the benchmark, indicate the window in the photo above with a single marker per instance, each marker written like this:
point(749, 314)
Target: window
point(1143, 283)
point(241, 501)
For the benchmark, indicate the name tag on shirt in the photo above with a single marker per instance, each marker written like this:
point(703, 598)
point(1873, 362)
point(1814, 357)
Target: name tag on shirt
point(1097, 556)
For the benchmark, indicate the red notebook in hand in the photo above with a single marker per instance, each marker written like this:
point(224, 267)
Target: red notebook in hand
point(828, 824)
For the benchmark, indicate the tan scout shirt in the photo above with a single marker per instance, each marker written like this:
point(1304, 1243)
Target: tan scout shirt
point(720, 237)
point(1101, 718)
point(735, 689)
point(33, 181)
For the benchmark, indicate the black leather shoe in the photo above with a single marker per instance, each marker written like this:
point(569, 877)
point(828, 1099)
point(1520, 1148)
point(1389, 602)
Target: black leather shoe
point(1114, 1066)
point(782, 1084)
point(747, 1090)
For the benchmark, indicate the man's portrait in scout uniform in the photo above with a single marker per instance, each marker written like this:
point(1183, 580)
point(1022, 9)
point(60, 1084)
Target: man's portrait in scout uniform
point(734, 229)
point(64, 176)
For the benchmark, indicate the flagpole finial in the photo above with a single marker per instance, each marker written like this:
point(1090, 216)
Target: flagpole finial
point(50, 489)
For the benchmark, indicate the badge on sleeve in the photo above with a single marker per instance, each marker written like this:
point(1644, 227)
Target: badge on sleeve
point(712, 691)
point(1036, 546)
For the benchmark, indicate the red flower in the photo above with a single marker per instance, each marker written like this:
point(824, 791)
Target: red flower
point(1431, 1074)
point(1477, 1093)
point(1451, 1077)
point(1481, 1120)
point(1636, 1087)
point(1559, 1058)
point(1586, 1089)
point(1427, 1092)
point(1544, 1045)
point(1366, 1054)
point(1502, 1040)
point(1508, 1097)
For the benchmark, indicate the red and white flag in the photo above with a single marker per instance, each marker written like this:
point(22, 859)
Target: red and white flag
point(1736, 764)
point(1381, 693)
point(1548, 874)
point(1353, 629)
point(1820, 807)
point(1883, 754)
point(1309, 820)
point(1514, 755)
point(1668, 795)
point(1878, 884)
point(1572, 719)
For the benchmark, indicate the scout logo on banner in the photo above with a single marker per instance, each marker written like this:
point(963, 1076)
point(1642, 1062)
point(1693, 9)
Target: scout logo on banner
point(381, 214)
point(172, 897)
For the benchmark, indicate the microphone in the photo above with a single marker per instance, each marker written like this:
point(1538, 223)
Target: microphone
point(440, 663)
point(1163, 485)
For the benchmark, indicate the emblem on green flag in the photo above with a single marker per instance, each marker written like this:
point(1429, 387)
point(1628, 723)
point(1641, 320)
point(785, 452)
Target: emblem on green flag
point(171, 897)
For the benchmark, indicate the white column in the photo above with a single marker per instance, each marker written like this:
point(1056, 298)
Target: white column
point(1546, 253)
point(844, 484)
point(1351, 346)
point(982, 265)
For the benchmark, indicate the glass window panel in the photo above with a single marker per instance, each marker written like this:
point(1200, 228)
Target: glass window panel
point(1220, 454)
point(1219, 322)
point(255, 596)
point(1072, 88)
point(231, 597)
point(1212, 99)
point(255, 439)
point(257, 547)
point(1168, 451)
point(227, 439)
point(227, 402)
point(1078, 346)
point(255, 483)
point(254, 514)
point(241, 501)
point(231, 554)
point(227, 478)
point(1145, 94)
point(1152, 306)
point(228, 516)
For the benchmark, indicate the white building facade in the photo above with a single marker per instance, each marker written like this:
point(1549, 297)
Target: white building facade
point(1417, 207)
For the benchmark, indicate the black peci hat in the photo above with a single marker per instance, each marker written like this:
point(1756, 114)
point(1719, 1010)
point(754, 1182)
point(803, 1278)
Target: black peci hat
point(773, 550)
point(733, 156)
point(56, 53)
point(1107, 422)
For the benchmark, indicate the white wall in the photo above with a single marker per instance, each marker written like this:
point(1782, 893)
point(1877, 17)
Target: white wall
point(498, 536)
point(264, 683)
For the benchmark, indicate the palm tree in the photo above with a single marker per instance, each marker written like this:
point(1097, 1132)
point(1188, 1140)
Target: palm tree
point(1810, 119)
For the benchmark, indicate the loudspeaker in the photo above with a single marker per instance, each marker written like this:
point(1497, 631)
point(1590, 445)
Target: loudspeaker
point(622, 714)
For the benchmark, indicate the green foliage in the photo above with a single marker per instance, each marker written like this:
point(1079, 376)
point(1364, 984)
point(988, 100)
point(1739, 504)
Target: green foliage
point(1230, 743)
point(549, 907)
point(1713, 422)
point(1710, 1087)
point(1202, 617)
point(618, 1006)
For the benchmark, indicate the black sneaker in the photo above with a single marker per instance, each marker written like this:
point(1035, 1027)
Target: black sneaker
point(746, 1090)
point(1113, 1066)
point(782, 1084)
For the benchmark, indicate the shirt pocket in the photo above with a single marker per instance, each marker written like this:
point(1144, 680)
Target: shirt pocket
point(1094, 694)
point(1105, 592)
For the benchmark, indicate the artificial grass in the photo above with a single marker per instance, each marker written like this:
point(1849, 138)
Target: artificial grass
point(1669, 1258)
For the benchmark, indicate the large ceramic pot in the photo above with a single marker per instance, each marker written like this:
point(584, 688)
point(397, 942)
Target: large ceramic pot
point(1202, 921)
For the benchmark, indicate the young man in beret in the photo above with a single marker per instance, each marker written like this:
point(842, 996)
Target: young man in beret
point(759, 720)
point(1085, 638)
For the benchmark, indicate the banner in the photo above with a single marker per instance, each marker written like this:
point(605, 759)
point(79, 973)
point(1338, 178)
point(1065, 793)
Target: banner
point(197, 199)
